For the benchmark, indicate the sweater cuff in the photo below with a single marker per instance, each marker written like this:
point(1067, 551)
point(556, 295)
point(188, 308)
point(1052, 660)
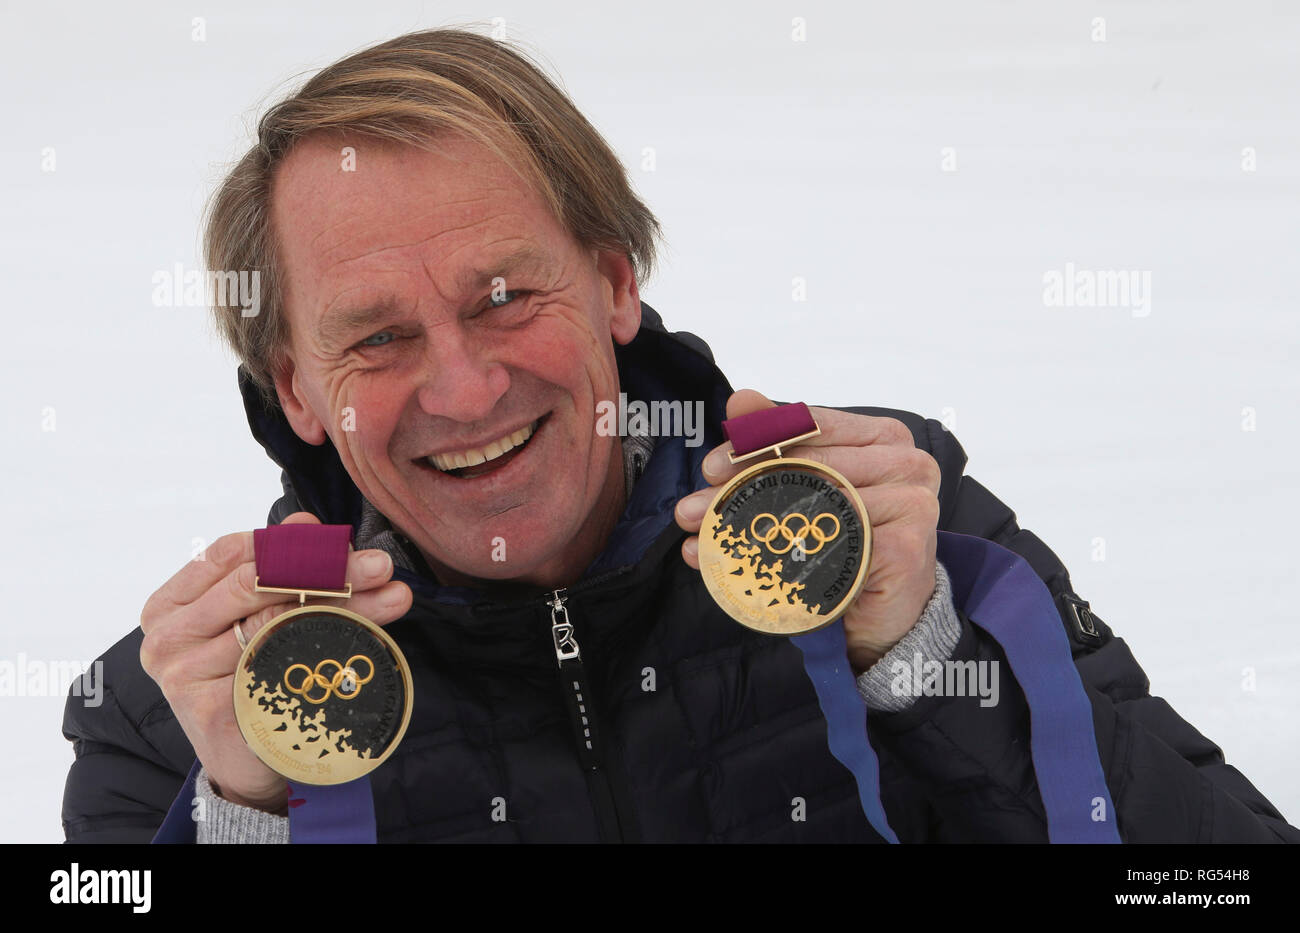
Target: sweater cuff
point(933, 638)
point(226, 822)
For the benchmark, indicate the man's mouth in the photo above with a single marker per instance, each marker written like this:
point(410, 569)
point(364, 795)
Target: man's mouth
point(477, 461)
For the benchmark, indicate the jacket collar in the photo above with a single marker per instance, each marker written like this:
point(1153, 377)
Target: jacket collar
point(656, 365)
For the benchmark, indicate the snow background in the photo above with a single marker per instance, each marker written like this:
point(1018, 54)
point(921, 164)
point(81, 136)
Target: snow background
point(774, 159)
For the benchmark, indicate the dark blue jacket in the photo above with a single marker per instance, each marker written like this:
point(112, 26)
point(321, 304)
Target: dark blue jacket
point(732, 732)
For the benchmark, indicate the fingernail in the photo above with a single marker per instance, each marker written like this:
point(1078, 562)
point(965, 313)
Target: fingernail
point(716, 462)
point(375, 563)
point(692, 508)
point(691, 547)
point(396, 597)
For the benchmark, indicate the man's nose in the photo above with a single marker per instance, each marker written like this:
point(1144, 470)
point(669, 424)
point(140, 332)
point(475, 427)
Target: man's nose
point(462, 379)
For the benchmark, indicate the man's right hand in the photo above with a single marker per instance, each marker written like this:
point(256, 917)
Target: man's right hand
point(190, 650)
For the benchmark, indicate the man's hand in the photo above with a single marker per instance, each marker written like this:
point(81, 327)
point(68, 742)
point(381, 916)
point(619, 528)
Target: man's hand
point(899, 485)
point(190, 650)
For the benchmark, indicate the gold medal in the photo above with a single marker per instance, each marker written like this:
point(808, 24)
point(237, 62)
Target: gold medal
point(785, 546)
point(322, 695)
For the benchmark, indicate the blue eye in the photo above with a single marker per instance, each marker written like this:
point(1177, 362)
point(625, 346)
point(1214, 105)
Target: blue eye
point(506, 298)
point(379, 339)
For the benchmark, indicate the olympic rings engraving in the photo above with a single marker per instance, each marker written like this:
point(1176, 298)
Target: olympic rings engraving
point(345, 683)
point(788, 534)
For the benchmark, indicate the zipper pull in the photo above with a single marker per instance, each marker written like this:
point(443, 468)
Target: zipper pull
point(566, 646)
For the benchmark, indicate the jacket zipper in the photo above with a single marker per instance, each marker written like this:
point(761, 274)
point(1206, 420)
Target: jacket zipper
point(573, 676)
point(574, 684)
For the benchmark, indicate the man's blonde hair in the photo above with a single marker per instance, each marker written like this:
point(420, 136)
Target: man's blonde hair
point(409, 90)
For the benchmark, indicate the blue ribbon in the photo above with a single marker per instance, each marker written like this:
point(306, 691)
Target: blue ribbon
point(999, 592)
point(178, 825)
point(337, 813)
point(826, 659)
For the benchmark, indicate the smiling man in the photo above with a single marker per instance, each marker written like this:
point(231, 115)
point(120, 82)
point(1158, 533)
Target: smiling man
point(451, 256)
point(471, 335)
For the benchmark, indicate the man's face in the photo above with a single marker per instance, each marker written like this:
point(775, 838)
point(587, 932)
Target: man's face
point(408, 358)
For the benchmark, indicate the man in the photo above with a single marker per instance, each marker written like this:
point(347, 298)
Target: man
point(451, 257)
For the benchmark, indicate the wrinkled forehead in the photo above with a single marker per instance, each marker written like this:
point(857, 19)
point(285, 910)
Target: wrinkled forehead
point(343, 208)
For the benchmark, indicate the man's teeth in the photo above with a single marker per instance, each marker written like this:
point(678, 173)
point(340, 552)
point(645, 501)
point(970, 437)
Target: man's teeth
point(467, 458)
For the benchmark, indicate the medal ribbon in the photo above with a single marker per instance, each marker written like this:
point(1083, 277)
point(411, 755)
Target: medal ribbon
point(305, 557)
point(770, 427)
point(1000, 593)
point(315, 557)
point(826, 659)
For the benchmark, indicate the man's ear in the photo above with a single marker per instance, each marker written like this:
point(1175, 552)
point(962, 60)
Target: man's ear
point(624, 301)
point(288, 386)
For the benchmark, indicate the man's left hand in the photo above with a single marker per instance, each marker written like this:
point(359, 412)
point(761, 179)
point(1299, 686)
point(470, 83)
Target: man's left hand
point(899, 485)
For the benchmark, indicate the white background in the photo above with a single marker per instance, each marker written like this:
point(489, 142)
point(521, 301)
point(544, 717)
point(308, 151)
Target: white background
point(773, 159)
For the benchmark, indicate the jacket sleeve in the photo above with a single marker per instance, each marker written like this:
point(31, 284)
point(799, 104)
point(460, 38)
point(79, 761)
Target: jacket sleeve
point(972, 762)
point(131, 756)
